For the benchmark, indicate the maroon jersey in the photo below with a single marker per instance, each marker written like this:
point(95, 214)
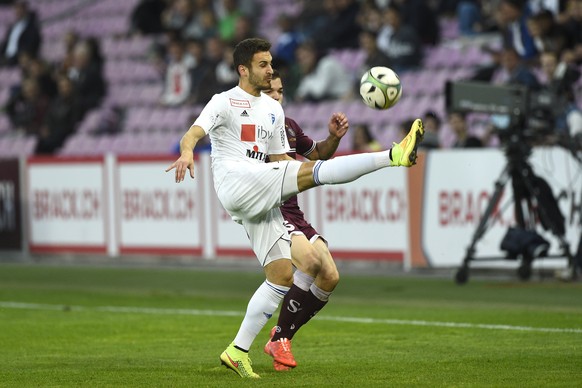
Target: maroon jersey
point(301, 144)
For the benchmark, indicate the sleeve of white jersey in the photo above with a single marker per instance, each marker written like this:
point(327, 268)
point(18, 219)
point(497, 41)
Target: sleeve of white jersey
point(212, 114)
point(279, 143)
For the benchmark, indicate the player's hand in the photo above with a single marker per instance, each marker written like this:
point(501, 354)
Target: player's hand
point(338, 125)
point(184, 162)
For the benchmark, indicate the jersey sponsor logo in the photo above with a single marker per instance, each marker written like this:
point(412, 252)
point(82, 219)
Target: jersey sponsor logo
point(294, 306)
point(244, 114)
point(240, 103)
point(248, 132)
point(256, 154)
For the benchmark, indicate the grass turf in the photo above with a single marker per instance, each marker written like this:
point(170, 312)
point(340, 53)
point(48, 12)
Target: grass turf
point(82, 334)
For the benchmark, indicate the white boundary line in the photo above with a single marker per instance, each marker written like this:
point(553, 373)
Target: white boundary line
point(226, 313)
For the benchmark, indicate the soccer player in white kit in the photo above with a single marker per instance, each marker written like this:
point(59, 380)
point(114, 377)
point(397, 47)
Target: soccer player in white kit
point(245, 126)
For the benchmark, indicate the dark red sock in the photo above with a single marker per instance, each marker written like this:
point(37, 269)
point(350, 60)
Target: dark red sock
point(311, 306)
point(291, 307)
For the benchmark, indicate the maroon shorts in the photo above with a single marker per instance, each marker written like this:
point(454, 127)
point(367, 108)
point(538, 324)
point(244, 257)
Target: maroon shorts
point(295, 223)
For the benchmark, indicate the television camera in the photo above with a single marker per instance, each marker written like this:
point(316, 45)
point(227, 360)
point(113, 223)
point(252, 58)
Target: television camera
point(527, 119)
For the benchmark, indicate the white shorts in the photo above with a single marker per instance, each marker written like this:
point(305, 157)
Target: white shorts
point(252, 194)
point(249, 191)
point(269, 238)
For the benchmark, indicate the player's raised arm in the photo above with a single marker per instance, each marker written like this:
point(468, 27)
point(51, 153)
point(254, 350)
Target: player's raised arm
point(186, 159)
point(338, 126)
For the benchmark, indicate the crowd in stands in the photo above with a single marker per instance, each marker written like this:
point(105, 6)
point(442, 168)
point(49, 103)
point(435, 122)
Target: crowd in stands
point(536, 43)
point(51, 98)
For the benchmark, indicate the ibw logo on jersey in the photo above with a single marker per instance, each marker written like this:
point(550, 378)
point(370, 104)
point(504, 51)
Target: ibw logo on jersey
point(256, 154)
point(252, 132)
point(294, 306)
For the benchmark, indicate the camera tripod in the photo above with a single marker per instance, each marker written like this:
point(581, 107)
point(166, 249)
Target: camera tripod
point(528, 201)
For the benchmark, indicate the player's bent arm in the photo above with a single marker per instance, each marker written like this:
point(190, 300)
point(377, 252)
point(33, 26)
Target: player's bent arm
point(338, 126)
point(324, 149)
point(186, 159)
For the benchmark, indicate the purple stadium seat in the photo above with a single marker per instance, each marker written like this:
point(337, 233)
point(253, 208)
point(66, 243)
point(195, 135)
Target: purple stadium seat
point(90, 121)
point(11, 146)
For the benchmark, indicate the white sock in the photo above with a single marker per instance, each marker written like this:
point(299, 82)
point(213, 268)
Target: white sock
point(262, 306)
point(303, 280)
point(347, 168)
point(319, 293)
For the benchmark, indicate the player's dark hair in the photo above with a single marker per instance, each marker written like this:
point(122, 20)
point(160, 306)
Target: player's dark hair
point(276, 74)
point(244, 51)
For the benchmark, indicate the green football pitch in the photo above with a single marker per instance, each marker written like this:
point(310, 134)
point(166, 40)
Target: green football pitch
point(144, 327)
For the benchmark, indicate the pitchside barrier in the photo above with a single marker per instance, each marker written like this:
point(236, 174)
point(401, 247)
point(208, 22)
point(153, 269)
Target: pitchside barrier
point(421, 217)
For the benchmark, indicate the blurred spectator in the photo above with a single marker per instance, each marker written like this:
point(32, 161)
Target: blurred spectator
point(70, 40)
point(547, 34)
point(573, 24)
point(513, 71)
point(432, 125)
point(369, 18)
point(469, 17)
point(27, 108)
point(311, 18)
point(177, 81)
point(363, 141)
point(40, 70)
point(226, 74)
point(288, 41)
point(339, 27)
point(21, 36)
point(422, 18)
point(399, 42)
point(189, 20)
point(251, 8)
point(200, 66)
point(559, 81)
point(146, 17)
point(555, 7)
point(320, 77)
point(228, 19)
point(86, 74)
point(512, 16)
point(458, 124)
point(209, 85)
point(374, 57)
point(244, 28)
point(61, 119)
point(559, 76)
point(95, 52)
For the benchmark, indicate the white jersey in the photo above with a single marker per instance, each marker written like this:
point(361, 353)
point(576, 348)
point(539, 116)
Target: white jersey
point(242, 129)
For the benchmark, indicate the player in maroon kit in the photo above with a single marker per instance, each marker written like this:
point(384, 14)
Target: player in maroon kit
point(316, 274)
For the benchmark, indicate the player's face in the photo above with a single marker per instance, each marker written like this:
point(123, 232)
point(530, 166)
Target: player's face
point(261, 71)
point(276, 90)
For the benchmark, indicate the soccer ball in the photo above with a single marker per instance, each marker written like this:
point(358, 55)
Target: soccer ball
point(380, 88)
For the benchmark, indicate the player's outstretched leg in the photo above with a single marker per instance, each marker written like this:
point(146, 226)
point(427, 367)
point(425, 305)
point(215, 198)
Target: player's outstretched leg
point(238, 361)
point(404, 153)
